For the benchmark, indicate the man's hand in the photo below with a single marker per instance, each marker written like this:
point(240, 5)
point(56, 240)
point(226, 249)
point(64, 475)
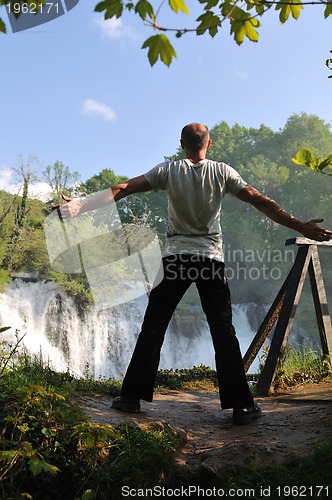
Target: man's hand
point(69, 209)
point(278, 214)
point(314, 232)
point(72, 207)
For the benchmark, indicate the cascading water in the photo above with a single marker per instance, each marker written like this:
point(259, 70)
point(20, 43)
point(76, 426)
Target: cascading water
point(100, 343)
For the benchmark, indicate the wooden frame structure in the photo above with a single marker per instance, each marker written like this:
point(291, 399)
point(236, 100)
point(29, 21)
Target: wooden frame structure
point(284, 308)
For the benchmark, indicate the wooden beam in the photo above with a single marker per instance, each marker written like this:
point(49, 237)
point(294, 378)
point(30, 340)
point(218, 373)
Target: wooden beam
point(306, 241)
point(320, 303)
point(266, 327)
point(286, 318)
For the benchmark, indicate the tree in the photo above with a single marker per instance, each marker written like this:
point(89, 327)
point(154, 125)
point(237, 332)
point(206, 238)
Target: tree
point(60, 179)
point(143, 208)
point(241, 16)
point(25, 174)
point(304, 130)
point(254, 245)
point(103, 180)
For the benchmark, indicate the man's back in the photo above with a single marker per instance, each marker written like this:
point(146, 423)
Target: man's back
point(195, 193)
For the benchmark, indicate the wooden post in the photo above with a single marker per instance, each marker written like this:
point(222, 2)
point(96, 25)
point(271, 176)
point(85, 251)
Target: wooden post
point(284, 308)
point(265, 327)
point(320, 302)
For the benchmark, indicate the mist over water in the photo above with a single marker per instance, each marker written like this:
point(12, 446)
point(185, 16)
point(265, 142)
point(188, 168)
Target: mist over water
point(100, 343)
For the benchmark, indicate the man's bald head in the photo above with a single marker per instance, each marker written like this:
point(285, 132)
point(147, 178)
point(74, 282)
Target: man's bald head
point(195, 137)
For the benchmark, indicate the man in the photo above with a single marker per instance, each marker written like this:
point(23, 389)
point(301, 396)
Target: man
point(194, 253)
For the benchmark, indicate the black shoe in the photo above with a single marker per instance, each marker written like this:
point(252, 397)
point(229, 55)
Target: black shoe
point(246, 415)
point(128, 405)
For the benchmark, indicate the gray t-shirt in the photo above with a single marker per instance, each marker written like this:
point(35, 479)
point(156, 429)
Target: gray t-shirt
point(195, 193)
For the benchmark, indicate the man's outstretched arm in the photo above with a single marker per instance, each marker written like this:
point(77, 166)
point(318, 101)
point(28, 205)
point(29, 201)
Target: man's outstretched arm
point(73, 207)
point(276, 213)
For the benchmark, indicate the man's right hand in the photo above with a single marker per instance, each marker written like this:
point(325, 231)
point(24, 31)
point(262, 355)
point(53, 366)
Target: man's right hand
point(72, 207)
point(69, 209)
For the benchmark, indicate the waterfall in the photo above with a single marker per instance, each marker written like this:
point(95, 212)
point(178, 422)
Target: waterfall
point(99, 343)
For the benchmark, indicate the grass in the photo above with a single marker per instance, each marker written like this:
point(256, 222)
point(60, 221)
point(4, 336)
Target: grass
point(299, 366)
point(47, 447)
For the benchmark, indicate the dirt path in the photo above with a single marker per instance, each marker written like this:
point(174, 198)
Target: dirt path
point(291, 424)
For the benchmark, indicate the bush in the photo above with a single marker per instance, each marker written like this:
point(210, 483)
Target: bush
point(47, 448)
point(178, 379)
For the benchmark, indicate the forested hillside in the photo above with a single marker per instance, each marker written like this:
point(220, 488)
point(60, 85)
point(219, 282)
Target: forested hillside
point(256, 257)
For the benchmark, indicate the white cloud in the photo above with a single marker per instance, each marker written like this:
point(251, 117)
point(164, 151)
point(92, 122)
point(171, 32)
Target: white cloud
point(8, 183)
point(5, 176)
point(114, 29)
point(40, 190)
point(110, 28)
point(240, 74)
point(92, 107)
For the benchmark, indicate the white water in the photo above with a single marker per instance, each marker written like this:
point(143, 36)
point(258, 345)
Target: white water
point(100, 344)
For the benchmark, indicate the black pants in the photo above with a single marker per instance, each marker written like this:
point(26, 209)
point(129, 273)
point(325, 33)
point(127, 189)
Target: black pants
point(180, 271)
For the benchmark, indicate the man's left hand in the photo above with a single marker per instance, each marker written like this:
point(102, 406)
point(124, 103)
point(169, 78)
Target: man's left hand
point(314, 232)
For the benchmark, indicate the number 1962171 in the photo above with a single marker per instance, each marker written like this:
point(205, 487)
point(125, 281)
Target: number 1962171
point(18, 8)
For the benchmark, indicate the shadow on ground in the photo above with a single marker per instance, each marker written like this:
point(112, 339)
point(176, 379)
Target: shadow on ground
point(292, 423)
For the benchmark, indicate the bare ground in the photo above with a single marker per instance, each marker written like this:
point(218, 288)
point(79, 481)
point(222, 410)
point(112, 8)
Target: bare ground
point(291, 424)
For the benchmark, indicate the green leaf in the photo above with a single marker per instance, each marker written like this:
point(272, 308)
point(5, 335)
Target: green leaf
point(325, 163)
point(48, 432)
point(37, 465)
point(242, 23)
point(293, 7)
point(245, 28)
point(26, 450)
point(328, 10)
point(100, 7)
point(208, 21)
point(306, 158)
point(259, 8)
point(8, 456)
point(23, 428)
point(177, 5)
point(112, 8)
point(303, 157)
point(2, 26)
point(159, 46)
point(144, 9)
point(209, 3)
point(88, 495)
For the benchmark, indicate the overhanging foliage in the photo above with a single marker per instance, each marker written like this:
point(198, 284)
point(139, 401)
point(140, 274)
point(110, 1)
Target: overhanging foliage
point(242, 16)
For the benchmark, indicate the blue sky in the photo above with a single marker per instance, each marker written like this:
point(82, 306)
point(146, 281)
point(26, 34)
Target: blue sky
point(80, 90)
